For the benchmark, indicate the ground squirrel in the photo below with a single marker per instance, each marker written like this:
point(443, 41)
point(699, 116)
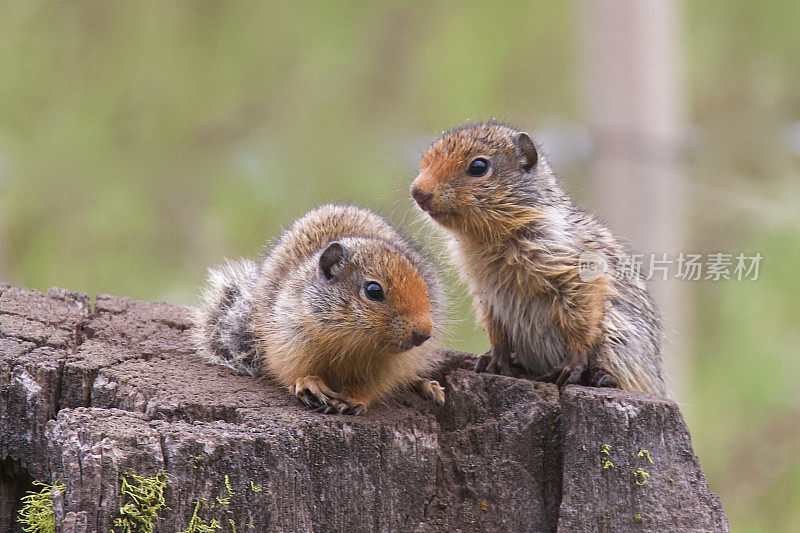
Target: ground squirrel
point(518, 242)
point(340, 310)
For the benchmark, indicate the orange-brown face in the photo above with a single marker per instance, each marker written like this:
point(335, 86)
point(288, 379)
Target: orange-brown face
point(412, 323)
point(394, 307)
point(375, 297)
point(462, 175)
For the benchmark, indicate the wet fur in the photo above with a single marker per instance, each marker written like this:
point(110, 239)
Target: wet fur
point(516, 239)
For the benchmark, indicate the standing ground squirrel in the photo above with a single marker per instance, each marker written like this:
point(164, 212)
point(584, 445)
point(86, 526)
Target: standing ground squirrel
point(339, 310)
point(518, 242)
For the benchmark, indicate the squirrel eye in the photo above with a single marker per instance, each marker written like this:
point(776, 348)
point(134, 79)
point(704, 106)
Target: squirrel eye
point(374, 291)
point(478, 167)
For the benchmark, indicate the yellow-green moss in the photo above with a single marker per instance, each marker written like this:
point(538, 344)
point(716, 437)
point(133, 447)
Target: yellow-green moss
point(200, 525)
point(605, 450)
point(640, 476)
point(645, 453)
point(145, 498)
point(36, 514)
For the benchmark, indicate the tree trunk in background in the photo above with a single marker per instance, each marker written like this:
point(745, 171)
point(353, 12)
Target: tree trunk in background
point(634, 97)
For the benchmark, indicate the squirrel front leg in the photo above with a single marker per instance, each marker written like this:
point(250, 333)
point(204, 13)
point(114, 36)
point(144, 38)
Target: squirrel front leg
point(498, 359)
point(578, 311)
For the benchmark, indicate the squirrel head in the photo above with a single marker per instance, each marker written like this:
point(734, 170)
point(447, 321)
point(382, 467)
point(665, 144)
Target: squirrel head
point(369, 297)
point(483, 179)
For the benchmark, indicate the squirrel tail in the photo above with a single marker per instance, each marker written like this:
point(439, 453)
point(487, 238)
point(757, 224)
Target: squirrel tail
point(223, 322)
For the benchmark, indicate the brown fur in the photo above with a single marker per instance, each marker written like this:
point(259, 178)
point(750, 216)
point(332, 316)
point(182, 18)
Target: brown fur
point(517, 239)
point(312, 326)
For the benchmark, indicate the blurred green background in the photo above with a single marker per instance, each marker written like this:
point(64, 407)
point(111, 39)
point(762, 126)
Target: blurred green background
point(142, 142)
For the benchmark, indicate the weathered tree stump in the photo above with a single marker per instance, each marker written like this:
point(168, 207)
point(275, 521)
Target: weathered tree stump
point(90, 394)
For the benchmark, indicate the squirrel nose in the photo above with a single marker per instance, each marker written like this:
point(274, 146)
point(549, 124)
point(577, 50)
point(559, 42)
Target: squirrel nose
point(423, 199)
point(418, 338)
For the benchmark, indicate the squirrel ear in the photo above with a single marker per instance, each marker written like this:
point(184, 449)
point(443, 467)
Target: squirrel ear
point(526, 150)
point(333, 259)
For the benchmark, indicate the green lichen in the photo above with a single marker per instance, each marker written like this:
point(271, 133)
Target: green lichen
point(605, 450)
point(637, 517)
point(36, 514)
point(645, 453)
point(227, 499)
point(640, 476)
point(198, 461)
point(145, 498)
point(203, 517)
point(255, 488)
point(584, 447)
point(198, 524)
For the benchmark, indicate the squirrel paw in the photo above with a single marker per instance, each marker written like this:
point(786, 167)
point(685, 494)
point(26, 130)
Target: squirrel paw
point(492, 364)
point(483, 362)
point(317, 396)
point(432, 390)
point(601, 378)
point(574, 366)
point(568, 374)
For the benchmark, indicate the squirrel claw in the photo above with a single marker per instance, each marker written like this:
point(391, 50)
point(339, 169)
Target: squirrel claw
point(570, 375)
point(304, 395)
point(331, 406)
point(483, 362)
point(601, 378)
point(550, 377)
point(501, 368)
point(491, 364)
point(317, 396)
point(431, 389)
point(356, 409)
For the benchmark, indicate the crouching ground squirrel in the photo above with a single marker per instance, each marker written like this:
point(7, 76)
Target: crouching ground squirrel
point(342, 310)
point(518, 242)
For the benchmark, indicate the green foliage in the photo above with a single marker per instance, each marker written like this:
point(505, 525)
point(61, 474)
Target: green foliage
point(36, 514)
point(145, 497)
